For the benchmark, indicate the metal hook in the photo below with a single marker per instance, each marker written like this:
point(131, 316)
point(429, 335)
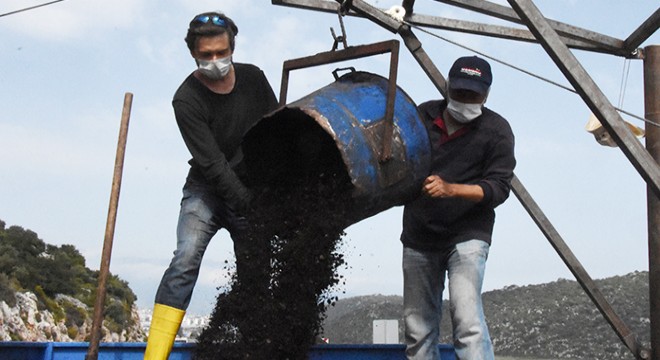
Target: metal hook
point(342, 10)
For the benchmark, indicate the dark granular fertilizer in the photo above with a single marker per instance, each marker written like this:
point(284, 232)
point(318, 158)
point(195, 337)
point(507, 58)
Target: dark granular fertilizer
point(275, 304)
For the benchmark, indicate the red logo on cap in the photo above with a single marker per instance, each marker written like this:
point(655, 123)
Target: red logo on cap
point(471, 72)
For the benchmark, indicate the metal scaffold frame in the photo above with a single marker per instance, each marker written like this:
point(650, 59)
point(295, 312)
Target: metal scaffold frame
point(557, 39)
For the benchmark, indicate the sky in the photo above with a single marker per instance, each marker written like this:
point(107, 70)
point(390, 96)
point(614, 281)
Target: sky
point(64, 70)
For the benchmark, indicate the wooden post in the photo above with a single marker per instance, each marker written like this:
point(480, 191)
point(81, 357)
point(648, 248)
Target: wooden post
point(93, 350)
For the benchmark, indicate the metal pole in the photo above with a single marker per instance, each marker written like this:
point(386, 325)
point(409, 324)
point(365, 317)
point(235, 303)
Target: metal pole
point(415, 47)
point(652, 113)
point(590, 92)
point(588, 285)
point(93, 350)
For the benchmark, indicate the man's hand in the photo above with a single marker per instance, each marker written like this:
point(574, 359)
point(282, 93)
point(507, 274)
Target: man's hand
point(435, 187)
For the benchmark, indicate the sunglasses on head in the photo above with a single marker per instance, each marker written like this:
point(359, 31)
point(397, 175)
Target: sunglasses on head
point(214, 19)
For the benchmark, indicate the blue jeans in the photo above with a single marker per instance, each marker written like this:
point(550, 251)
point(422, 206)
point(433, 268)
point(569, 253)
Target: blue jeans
point(424, 275)
point(202, 214)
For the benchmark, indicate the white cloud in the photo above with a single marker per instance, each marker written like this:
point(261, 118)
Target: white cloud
point(48, 153)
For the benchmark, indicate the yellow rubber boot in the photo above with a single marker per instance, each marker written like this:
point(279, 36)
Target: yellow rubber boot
point(165, 322)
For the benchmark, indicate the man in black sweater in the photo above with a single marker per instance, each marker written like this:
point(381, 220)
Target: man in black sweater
point(447, 230)
point(214, 107)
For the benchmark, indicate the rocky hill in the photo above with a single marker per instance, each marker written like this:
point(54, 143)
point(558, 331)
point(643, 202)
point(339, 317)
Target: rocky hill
point(70, 320)
point(48, 294)
point(553, 320)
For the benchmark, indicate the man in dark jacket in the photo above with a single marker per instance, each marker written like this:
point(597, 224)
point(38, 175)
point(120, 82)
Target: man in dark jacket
point(214, 108)
point(447, 230)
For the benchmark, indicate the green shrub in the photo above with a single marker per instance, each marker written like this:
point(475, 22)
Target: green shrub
point(117, 316)
point(72, 332)
point(49, 304)
point(23, 259)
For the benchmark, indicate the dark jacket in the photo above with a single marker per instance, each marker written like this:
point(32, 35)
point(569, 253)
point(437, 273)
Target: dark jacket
point(483, 154)
point(213, 126)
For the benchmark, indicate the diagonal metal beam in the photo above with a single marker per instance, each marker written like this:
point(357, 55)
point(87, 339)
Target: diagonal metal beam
point(622, 330)
point(320, 5)
point(643, 32)
point(590, 42)
point(615, 46)
point(415, 47)
point(357, 8)
point(589, 92)
point(497, 31)
point(375, 14)
point(362, 9)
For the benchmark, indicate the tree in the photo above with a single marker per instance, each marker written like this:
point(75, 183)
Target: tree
point(31, 264)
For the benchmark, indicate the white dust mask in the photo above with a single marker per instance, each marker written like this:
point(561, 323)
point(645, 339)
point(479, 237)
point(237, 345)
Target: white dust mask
point(464, 112)
point(215, 69)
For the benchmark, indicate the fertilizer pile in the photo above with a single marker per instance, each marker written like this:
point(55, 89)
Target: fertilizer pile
point(275, 304)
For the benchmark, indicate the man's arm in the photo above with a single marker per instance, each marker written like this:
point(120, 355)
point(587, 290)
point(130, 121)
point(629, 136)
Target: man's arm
point(198, 137)
point(435, 187)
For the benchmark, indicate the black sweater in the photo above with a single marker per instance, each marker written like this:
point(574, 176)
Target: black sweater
point(213, 125)
point(482, 155)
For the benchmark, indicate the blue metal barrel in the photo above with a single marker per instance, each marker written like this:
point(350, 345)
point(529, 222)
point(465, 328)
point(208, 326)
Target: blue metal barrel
point(345, 120)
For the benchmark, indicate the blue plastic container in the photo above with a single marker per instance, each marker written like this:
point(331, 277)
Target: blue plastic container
point(16, 350)
point(346, 120)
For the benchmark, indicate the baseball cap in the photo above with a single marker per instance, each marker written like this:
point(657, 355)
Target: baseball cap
point(470, 73)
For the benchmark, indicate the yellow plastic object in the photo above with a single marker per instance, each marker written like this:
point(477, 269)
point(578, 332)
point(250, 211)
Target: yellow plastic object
point(165, 323)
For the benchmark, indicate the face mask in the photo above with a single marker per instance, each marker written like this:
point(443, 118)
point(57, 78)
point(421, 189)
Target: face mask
point(215, 69)
point(463, 112)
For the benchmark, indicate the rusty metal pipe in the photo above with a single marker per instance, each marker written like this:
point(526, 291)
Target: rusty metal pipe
point(652, 113)
point(388, 129)
point(622, 330)
point(589, 91)
point(417, 51)
point(329, 57)
point(93, 350)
